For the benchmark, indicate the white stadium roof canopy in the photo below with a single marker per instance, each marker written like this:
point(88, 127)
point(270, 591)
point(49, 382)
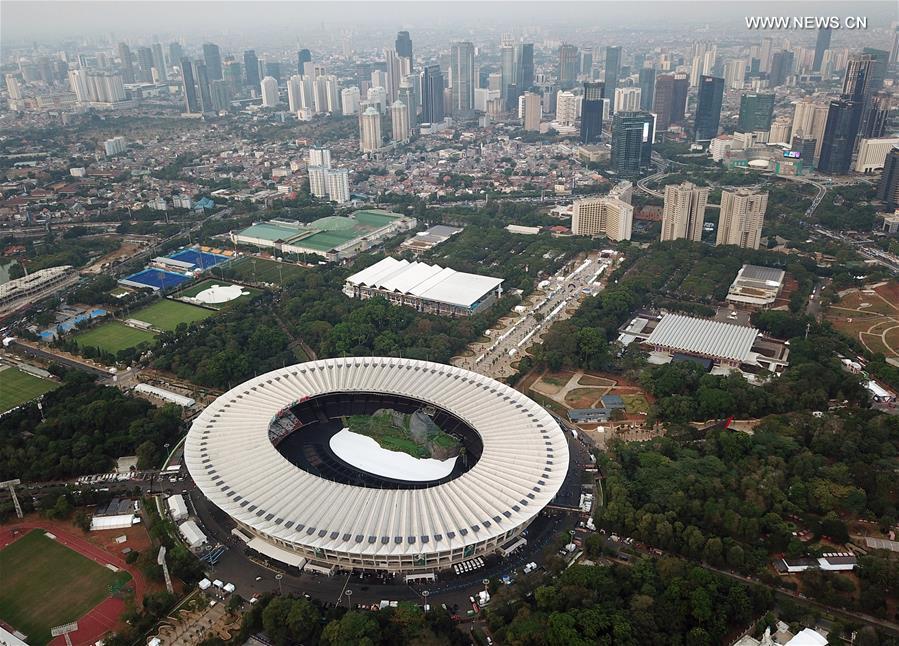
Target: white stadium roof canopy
point(704, 337)
point(522, 466)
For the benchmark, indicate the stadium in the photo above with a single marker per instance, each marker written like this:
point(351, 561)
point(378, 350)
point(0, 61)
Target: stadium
point(266, 453)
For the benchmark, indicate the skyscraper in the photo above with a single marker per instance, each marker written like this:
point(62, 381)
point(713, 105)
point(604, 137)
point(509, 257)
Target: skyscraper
point(840, 131)
point(568, 66)
point(403, 44)
point(462, 69)
point(647, 88)
point(708, 109)
point(844, 117)
point(587, 62)
point(756, 112)
point(741, 218)
point(159, 62)
point(233, 73)
point(294, 93)
point(251, 68)
point(269, 88)
point(670, 99)
point(591, 112)
point(126, 65)
point(188, 84)
point(809, 119)
point(203, 86)
point(613, 67)
point(303, 56)
point(399, 120)
point(877, 113)
point(525, 66)
point(213, 57)
point(821, 44)
point(370, 130)
point(888, 189)
point(684, 212)
point(632, 135)
point(781, 68)
point(431, 94)
point(507, 63)
point(175, 54)
point(145, 61)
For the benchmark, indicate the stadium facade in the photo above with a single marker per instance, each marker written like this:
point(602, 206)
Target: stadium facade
point(328, 513)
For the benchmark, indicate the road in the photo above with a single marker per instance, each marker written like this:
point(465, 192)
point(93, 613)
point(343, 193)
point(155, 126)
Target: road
point(565, 289)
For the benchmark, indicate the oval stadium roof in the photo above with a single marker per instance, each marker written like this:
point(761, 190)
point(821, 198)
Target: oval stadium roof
point(235, 465)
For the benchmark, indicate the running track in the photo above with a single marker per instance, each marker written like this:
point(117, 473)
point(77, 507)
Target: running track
point(104, 616)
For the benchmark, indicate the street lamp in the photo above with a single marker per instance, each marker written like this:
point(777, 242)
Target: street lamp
point(348, 594)
point(278, 578)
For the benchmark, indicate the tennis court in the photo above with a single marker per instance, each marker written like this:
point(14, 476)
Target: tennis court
point(200, 259)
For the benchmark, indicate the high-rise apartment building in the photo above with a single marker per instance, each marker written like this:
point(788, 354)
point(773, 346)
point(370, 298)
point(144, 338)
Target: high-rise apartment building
point(13, 88)
point(735, 73)
point(212, 55)
point(318, 181)
point(608, 216)
point(632, 135)
point(708, 108)
point(269, 88)
point(756, 112)
point(627, 99)
point(592, 112)
point(294, 92)
point(741, 218)
point(568, 107)
point(370, 130)
point(399, 119)
point(530, 109)
point(684, 212)
point(338, 180)
point(809, 119)
point(568, 66)
point(349, 100)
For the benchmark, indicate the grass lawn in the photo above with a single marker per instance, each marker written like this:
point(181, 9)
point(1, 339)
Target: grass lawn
point(167, 315)
point(18, 387)
point(113, 337)
point(635, 404)
point(193, 290)
point(265, 271)
point(46, 584)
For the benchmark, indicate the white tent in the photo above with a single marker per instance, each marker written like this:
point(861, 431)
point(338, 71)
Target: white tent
point(192, 533)
point(218, 583)
point(229, 588)
point(120, 521)
point(177, 507)
point(204, 584)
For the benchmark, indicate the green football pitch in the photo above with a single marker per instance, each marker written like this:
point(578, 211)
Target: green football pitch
point(18, 387)
point(113, 337)
point(167, 315)
point(46, 584)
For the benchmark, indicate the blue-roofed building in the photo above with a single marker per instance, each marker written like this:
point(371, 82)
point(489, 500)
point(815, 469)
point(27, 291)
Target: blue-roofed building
point(589, 415)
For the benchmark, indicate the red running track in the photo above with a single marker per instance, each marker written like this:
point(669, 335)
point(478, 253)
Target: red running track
point(104, 617)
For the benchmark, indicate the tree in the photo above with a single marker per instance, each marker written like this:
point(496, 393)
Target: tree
point(353, 629)
point(147, 455)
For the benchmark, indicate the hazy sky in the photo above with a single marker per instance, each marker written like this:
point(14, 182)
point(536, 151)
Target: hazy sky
point(23, 21)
